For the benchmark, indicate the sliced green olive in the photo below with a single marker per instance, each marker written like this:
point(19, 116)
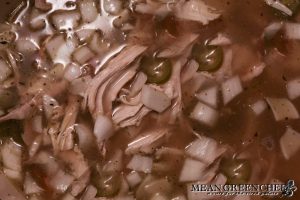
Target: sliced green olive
point(209, 57)
point(236, 170)
point(11, 129)
point(107, 184)
point(8, 98)
point(293, 5)
point(158, 70)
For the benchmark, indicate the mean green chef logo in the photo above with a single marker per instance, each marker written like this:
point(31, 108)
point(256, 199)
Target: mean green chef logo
point(283, 190)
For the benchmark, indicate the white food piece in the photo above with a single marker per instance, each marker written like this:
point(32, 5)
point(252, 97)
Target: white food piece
point(88, 10)
point(133, 179)
point(72, 72)
point(282, 108)
point(231, 88)
point(83, 54)
point(259, 106)
point(192, 170)
point(205, 114)
point(293, 89)
point(292, 31)
point(290, 143)
point(66, 20)
point(140, 163)
point(103, 128)
point(154, 99)
point(209, 96)
point(279, 6)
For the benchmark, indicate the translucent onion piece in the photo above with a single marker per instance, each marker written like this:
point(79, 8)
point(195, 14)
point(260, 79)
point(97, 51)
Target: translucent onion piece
point(209, 96)
point(205, 114)
point(293, 88)
point(292, 31)
point(103, 128)
point(259, 106)
point(192, 170)
point(290, 143)
point(231, 88)
point(133, 179)
point(282, 108)
point(88, 10)
point(140, 163)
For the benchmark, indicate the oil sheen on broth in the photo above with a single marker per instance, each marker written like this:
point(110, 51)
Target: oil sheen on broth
point(140, 99)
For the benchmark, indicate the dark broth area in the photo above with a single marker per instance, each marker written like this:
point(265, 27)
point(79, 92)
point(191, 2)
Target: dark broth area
point(238, 127)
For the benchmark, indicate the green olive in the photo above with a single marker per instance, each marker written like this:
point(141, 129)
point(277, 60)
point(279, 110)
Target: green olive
point(11, 129)
point(107, 184)
point(8, 98)
point(236, 170)
point(158, 70)
point(293, 5)
point(209, 57)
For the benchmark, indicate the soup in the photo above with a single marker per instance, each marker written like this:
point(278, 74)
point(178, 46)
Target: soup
point(148, 100)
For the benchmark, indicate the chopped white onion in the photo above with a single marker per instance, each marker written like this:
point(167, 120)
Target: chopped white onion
point(61, 181)
point(31, 186)
point(189, 71)
point(231, 88)
point(293, 88)
point(103, 128)
point(292, 31)
point(154, 99)
point(133, 179)
point(192, 170)
point(196, 11)
point(11, 154)
point(140, 163)
point(26, 46)
point(112, 6)
point(88, 10)
point(65, 20)
point(282, 108)
point(279, 6)
point(271, 30)
point(5, 71)
point(35, 145)
point(259, 106)
point(290, 143)
point(90, 193)
point(85, 137)
point(72, 72)
point(80, 85)
point(209, 96)
point(205, 149)
point(83, 54)
point(205, 114)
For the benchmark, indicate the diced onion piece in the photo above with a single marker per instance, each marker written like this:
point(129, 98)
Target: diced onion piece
point(61, 181)
point(65, 20)
point(140, 163)
point(189, 71)
point(259, 106)
point(154, 99)
point(112, 6)
point(282, 108)
point(209, 96)
point(290, 143)
point(5, 71)
point(292, 31)
point(204, 149)
point(196, 11)
point(80, 85)
point(192, 170)
point(88, 10)
point(84, 34)
point(231, 88)
point(279, 6)
point(133, 179)
point(8, 191)
point(90, 193)
point(293, 88)
point(85, 137)
point(271, 30)
point(103, 128)
point(31, 186)
point(83, 54)
point(72, 72)
point(26, 45)
point(53, 45)
point(68, 197)
point(204, 114)
point(11, 154)
point(35, 145)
